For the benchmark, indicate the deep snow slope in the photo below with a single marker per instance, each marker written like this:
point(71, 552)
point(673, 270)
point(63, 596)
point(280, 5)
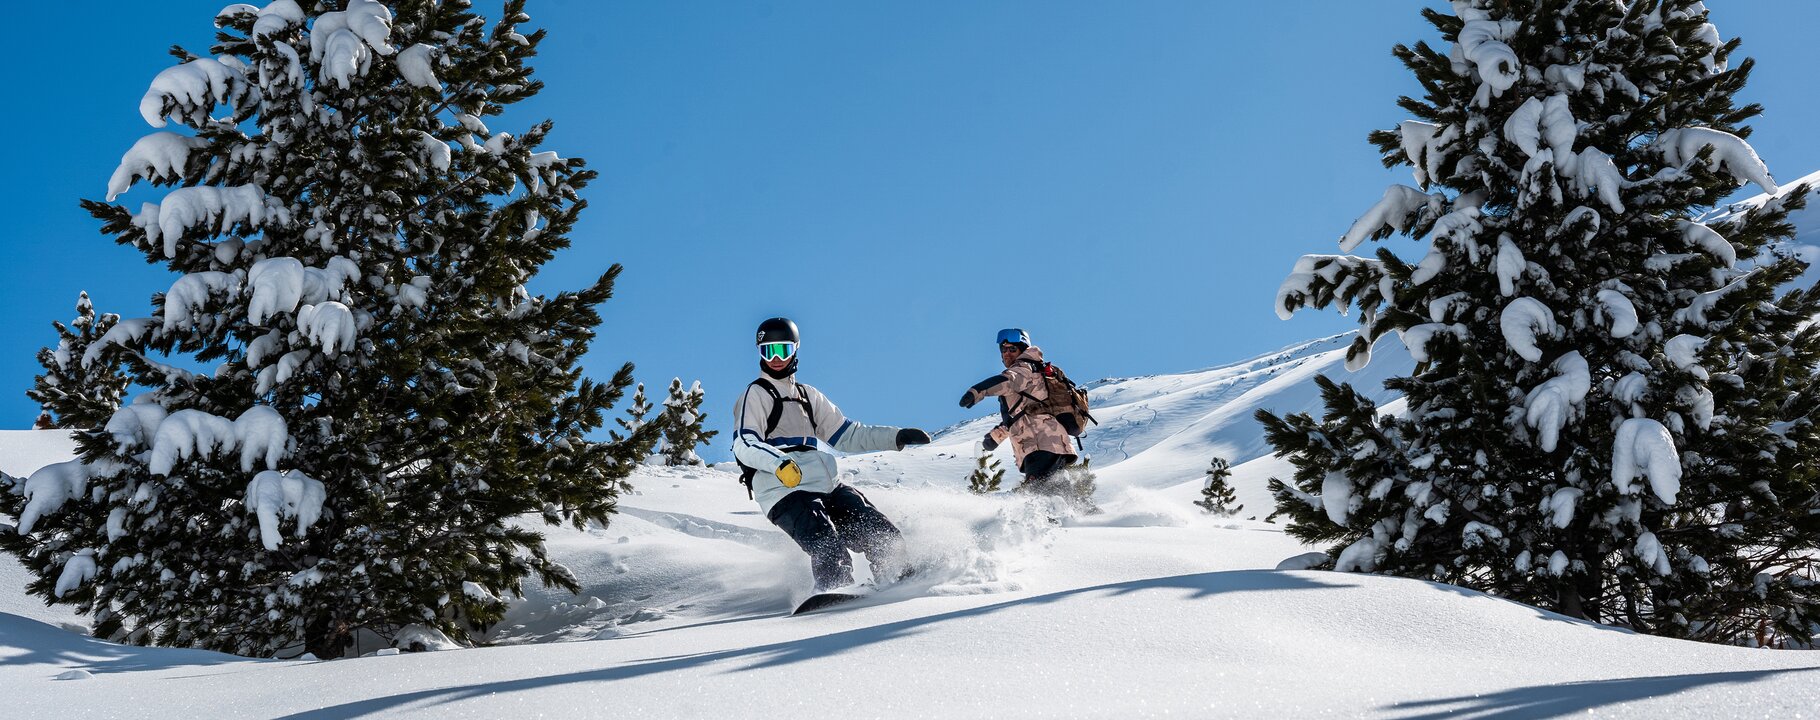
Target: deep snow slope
point(1159, 432)
point(1806, 220)
point(1806, 242)
point(22, 451)
point(698, 536)
point(1023, 611)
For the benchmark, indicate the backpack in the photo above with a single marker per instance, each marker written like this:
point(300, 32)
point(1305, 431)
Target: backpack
point(1067, 401)
point(746, 472)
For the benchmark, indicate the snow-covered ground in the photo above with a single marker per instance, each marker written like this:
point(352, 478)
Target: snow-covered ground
point(1147, 609)
point(1157, 433)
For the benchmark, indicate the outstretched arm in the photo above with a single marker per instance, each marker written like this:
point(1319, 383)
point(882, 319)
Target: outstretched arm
point(1000, 385)
point(851, 437)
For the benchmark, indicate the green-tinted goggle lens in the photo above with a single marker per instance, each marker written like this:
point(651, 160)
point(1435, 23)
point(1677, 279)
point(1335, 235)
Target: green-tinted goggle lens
point(777, 350)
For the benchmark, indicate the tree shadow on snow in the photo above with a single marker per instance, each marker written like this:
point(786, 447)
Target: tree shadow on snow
point(793, 651)
point(1559, 700)
point(1540, 613)
point(29, 642)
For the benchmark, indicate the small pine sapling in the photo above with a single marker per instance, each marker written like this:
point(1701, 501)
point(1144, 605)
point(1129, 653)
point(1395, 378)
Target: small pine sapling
point(1218, 498)
point(987, 474)
point(636, 412)
point(683, 424)
point(1082, 484)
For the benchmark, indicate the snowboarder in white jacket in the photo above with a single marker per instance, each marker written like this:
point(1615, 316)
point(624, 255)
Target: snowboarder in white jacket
point(784, 429)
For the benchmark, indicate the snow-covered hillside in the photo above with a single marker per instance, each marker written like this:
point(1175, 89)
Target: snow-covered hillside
point(1157, 433)
point(1805, 220)
point(697, 534)
point(1806, 242)
point(1147, 609)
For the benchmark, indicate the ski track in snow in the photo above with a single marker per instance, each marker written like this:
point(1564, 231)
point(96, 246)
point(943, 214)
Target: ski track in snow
point(1149, 608)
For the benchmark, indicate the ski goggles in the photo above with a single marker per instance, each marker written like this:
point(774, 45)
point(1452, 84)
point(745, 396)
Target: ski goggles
point(1013, 335)
point(776, 351)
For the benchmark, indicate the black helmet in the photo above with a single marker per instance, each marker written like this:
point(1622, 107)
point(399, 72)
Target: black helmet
point(778, 330)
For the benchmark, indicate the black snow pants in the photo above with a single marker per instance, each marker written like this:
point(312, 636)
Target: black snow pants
point(827, 525)
point(1040, 468)
point(1046, 473)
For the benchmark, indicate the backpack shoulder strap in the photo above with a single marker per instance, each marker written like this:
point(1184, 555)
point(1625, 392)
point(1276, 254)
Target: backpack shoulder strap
point(777, 406)
point(1040, 368)
point(802, 396)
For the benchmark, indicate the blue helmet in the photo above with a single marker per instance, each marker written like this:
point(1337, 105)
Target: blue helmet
point(1014, 336)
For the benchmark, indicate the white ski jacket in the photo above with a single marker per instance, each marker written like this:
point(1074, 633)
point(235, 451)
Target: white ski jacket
point(797, 438)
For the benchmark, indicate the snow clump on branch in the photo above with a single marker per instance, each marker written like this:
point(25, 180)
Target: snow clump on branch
point(292, 495)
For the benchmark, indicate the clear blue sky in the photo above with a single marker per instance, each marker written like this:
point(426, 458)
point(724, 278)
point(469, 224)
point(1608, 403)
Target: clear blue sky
point(1130, 181)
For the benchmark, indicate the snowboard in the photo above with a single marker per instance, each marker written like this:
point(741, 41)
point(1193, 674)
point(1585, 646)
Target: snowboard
point(896, 590)
point(827, 599)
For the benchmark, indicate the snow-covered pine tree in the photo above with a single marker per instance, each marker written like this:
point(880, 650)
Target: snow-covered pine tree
point(72, 394)
point(987, 474)
point(683, 423)
point(1611, 412)
point(78, 395)
point(383, 398)
point(636, 411)
point(1217, 497)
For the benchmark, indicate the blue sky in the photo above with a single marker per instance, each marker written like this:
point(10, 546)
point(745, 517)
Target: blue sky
point(1128, 181)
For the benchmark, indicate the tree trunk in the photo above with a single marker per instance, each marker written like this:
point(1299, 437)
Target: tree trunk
point(326, 638)
point(1568, 602)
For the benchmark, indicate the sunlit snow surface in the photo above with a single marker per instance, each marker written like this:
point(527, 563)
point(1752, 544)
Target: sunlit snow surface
point(1806, 242)
point(1149, 608)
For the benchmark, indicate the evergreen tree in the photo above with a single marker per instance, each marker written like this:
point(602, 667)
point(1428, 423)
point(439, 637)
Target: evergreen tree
point(1217, 498)
point(76, 394)
point(986, 475)
point(384, 398)
point(683, 424)
point(1611, 416)
point(636, 412)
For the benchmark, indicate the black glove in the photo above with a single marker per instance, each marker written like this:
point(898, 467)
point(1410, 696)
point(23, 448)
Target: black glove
point(911, 436)
point(972, 396)
point(989, 444)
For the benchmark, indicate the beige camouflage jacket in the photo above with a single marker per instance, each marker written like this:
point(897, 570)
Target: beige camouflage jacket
point(1014, 388)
